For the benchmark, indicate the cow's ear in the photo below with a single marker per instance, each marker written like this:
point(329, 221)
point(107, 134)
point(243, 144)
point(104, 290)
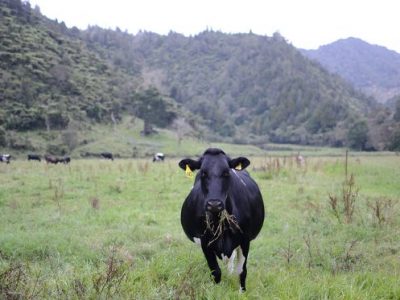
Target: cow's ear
point(193, 164)
point(239, 163)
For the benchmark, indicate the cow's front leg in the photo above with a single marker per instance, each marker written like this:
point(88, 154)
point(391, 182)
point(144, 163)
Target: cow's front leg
point(211, 261)
point(242, 264)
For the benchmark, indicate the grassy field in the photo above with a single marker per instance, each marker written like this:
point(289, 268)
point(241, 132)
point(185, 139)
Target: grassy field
point(98, 229)
point(125, 140)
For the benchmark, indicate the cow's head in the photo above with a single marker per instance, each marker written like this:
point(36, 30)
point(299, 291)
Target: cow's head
point(215, 171)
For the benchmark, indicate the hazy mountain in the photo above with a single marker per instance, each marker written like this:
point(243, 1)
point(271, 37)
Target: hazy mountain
point(374, 69)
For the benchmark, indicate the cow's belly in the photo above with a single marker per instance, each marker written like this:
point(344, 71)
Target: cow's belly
point(230, 252)
point(221, 247)
point(225, 246)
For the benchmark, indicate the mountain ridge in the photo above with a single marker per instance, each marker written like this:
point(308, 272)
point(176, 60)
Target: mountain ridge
point(373, 69)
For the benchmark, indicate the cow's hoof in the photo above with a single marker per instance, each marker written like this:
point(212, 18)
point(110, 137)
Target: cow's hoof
point(217, 276)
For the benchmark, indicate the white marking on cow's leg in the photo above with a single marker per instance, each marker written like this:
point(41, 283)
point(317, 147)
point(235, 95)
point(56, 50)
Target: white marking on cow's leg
point(231, 263)
point(197, 241)
point(241, 260)
point(224, 258)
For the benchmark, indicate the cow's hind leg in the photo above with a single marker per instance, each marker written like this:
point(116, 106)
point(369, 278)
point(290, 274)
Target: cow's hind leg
point(212, 262)
point(243, 252)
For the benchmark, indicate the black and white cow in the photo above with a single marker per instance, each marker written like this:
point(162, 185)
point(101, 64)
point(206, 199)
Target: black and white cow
point(107, 155)
point(224, 211)
point(5, 158)
point(158, 157)
point(34, 157)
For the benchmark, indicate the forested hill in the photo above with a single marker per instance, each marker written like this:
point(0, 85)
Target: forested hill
point(239, 87)
point(374, 69)
point(50, 77)
point(249, 87)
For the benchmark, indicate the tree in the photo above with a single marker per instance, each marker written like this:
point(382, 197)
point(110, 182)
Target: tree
point(181, 128)
point(394, 140)
point(70, 138)
point(396, 115)
point(357, 135)
point(154, 109)
point(3, 140)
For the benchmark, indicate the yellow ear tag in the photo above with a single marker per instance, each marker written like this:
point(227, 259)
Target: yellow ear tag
point(238, 167)
point(189, 172)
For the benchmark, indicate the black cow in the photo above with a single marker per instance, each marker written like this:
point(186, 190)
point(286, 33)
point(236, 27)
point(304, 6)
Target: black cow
point(64, 160)
point(158, 157)
point(51, 159)
point(34, 157)
point(107, 155)
point(224, 211)
point(5, 158)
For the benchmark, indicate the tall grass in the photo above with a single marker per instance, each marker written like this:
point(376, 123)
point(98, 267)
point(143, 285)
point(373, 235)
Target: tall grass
point(100, 229)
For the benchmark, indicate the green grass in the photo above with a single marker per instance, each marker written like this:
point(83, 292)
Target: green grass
point(98, 229)
point(126, 141)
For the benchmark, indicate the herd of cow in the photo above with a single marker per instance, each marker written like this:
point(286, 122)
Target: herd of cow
point(52, 159)
point(223, 212)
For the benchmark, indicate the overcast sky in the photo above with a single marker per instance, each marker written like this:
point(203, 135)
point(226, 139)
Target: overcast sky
point(304, 23)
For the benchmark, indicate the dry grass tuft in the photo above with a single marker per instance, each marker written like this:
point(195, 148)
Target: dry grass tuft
point(143, 168)
point(11, 279)
point(95, 203)
point(346, 201)
point(383, 210)
point(225, 219)
point(110, 280)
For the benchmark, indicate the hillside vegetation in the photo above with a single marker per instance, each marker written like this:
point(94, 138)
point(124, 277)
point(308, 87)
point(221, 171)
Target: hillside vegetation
point(49, 76)
point(267, 88)
point(237, 88)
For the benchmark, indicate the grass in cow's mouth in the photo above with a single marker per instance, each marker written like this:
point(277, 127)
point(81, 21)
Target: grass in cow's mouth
point(218, 229)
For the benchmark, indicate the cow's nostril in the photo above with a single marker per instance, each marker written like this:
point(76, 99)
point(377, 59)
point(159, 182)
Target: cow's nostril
point(214, 205)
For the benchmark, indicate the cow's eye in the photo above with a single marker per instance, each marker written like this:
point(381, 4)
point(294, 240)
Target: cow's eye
point(225, 174)
point(204, 174)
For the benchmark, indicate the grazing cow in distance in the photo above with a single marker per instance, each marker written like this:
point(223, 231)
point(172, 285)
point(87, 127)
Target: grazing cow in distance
point(55, 160)
point(224, 211)
point(65, 160)
point(107, 155)
point(34, 157)
point(51, 159)
point(5, 158)
point(158, 157)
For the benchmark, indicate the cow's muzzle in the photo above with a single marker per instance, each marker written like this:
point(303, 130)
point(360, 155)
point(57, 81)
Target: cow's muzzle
point(214, 206)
